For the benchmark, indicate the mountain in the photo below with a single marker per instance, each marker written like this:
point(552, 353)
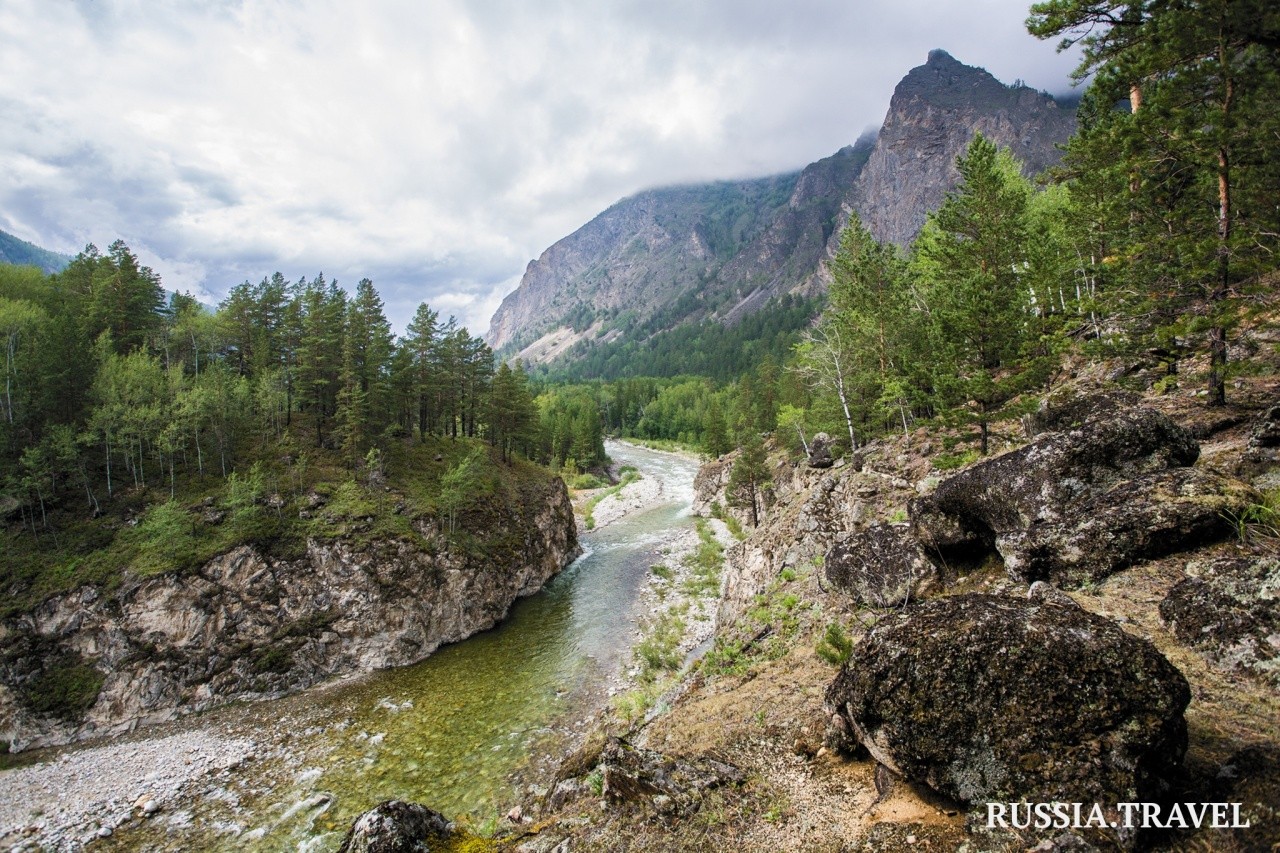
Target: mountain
point(22, 253)
point(724, 250)
point(933, 115)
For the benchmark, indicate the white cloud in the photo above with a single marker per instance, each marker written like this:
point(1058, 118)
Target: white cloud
point(432, 146)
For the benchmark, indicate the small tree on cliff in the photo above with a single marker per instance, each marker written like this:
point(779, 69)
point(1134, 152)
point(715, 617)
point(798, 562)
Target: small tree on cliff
point(749, 477)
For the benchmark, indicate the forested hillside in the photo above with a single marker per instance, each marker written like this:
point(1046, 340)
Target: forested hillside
point(139, 433)
point(21, 253)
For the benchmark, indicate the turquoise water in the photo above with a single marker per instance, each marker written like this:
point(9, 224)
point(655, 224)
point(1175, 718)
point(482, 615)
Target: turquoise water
point(450, 731)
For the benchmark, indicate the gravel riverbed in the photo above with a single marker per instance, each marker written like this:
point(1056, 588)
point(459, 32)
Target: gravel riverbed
point(87, 794)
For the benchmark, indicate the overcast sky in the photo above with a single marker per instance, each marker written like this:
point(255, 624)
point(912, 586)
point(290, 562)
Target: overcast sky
point(435, 147)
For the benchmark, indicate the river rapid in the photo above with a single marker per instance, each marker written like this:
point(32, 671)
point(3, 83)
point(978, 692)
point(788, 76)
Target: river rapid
point(462, 731)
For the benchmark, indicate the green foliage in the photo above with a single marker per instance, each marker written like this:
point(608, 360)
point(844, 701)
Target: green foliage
point(750, 476)
point(1174, 195)
point(835, 647)
point(658, 651)
point(66, 687)
point(951, 461)
point(457, 486)
point(705, 563)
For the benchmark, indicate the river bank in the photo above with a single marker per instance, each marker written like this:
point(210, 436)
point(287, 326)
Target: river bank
point(290, 773)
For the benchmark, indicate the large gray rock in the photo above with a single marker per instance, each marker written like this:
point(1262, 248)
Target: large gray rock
point(394, 826)
point(882, 566)
point(988, 699)
point(1111, 486)
point(1230, 614)
point(1043, 481)
point(1143, 518)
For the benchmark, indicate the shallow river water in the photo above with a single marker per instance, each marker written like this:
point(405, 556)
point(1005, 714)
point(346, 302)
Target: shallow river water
point(453, 731)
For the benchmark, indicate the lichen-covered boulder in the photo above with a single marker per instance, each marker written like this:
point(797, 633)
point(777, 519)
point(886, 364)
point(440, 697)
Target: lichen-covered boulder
point(1230, 614)
point(1139, 519)
point(1064, 410)
point(1047, 479)
point(1266, 431)
point(881, 566)
point(989, 699)
point(394, 826)
point(820, 451)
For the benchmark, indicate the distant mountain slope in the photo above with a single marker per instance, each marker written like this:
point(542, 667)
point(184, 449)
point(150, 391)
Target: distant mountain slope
point(722, 251)
point(635, 259)
point(22, 253)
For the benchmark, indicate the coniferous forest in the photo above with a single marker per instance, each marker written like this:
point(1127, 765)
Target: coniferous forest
point(1154, 240)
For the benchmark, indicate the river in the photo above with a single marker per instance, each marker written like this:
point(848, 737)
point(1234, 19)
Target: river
point(459, 731)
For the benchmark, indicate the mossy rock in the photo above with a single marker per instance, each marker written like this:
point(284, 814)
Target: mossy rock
point(989, 699)
point(65, 688)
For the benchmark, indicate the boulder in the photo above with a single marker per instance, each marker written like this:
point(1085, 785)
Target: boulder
point(394, 826)
point(1083, 502)
point(820, 451)
point(1230, 614)
point(634, 776)
point(881, 566)
point(1065, 410)
point(1266, 432)
point(1139, 519)
point(1045, 480)
point(989, 699)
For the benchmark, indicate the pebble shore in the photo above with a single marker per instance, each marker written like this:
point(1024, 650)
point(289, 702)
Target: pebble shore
point(65, 804)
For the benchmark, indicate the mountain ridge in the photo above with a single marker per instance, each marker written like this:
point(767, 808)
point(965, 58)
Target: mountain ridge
point(19, 252)
point(645, 264)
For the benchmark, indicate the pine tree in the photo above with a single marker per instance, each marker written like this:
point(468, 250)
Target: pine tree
point(971, 258)
point(749, 477)
point(1192, 159)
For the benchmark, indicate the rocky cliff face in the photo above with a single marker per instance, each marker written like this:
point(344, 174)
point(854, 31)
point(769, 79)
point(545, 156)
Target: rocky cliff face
point(636, 258)
point(722, 251)
point(245, 626)
point(934, 113)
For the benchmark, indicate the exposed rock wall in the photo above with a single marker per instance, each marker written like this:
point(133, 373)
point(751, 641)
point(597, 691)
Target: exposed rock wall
point(807, 511)
point(934, 113)
point(247, 626)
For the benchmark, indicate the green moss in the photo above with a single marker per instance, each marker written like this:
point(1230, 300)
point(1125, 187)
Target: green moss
point(66, 688)
point(277, 659)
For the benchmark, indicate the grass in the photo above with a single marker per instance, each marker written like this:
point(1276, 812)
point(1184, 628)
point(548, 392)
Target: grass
point(764, 633)
point(735, 526)
point(704, 563)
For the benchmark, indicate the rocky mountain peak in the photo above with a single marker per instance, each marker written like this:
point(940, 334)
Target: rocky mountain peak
point(722, 251)
point(935, 111)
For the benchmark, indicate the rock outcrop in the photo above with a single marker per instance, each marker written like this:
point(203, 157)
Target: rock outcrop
point(882, 566)
point(245, 625)
point(990, 699)
point(932, 118)
point(1083, 502)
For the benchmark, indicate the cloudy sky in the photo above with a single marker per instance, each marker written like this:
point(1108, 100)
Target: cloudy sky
point(434, 146)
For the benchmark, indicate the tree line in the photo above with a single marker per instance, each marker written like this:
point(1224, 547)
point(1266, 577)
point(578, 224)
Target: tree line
point(109, 384)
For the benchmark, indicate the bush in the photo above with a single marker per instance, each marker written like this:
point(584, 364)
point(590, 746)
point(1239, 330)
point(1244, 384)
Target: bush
point(835, 647)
